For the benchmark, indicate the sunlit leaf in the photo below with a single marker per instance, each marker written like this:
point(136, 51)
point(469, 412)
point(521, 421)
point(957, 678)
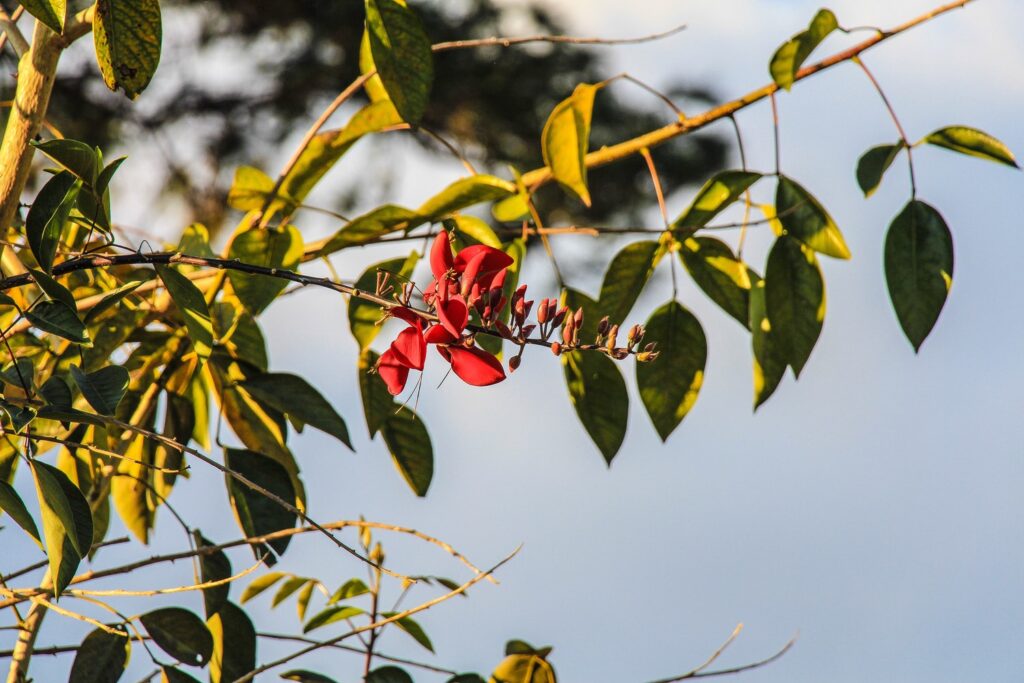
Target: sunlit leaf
point(295, 397)
point(807, 220)
point(331, 615)
point(625, 278)
point(290, 585)
point(109, 300)
point(67, 522)
point(127, 36)
point(598, 394)
point(270, 248)
point(302, 602)
point(130, 489)
point(524, 668)
point(566, 138)
point(350, 589)
point(714, 196)
point(717, 271)
point(669, 385)
point(259, 585)
point(466, 192)
point(402, 55)
point(918, 268)
point(409, 443)
point(972, 142)
point(472, 230)
point(873, 165)
point(251, 188)
point(47, 216)
point(179, 633)
point(193, 308)
point(412, 628)
point(370, 226)
point(794, 299)
point(788, 59)
point(101, 658)
point(234, 644)
point(53, 13)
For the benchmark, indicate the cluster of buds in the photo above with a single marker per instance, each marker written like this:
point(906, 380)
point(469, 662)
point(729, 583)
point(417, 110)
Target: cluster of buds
point(472, 282)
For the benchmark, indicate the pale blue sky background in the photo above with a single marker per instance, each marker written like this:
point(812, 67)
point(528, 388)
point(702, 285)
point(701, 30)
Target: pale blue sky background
point(874, 506)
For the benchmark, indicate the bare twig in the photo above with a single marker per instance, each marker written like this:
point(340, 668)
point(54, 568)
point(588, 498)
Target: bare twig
point(520, 40)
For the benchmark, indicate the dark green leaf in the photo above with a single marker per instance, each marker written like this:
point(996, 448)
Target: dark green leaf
point(11, 503)
point(718, 272)
point(67, 522)
point(412, 628)
point(179, 633)
point(378, 404)
point(303, 676)
point(57, 318)
point(409, 443)
point(259, 585)
point(56, 392)
point(260, 428)
point(350, 589)
point(213, 566)
point(295, 397)
point(127, 36)
point(101, 658)
point(715, 196)
point(599, 396)
point(464, 193)
point(77, 157)
point(170, 674)
point(625, 279)
point(794, 299)
point(566, 138)
point(193, 308)
point(270, 248)
point(45, 221)
point(53, 13)
point(234, 644)
point(769, 359)
point(257, 514)
point(20, 374)
point(873, 165)
point(402, 55)
point(53, 289)
point(466, 678)
point(18, 415)
point(104, 388)
point(669, 384)
point(363, 315)
point(331, 615)
point(788, 59)
point(111, 299)
point(388, 674)
point(238, 333)
point(972, 142)
point(104, 177)
point(918, 268)
point(805, 219)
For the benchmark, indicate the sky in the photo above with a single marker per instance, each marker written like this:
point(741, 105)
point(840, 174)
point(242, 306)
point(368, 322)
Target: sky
point(872, 507)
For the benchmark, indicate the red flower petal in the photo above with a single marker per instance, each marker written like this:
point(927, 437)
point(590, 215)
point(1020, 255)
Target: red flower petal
point(441, 255)
point(494, 259)
point(436, 334)
point(454, 315)
point(406, 314)
point(392, 372)
point(409, 348)
point(475, 366)
point(471, 271)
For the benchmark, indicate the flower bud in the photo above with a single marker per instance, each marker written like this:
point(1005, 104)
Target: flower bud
point(620, 354)
point(650, 347)
point(513, 363)
point(602, 327)
point(567, 331)
point(528, 330)
point(556, 348)
point(542, 311)
point(560, 316)
point(578, 318)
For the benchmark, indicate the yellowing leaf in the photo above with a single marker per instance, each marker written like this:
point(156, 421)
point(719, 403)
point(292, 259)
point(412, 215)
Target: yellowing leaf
point(788, 59)
point(566, 137)
point(127, 36)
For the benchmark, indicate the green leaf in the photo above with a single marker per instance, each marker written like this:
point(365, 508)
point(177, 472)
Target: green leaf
point(331, 615)
point(67, 522)
point(193, 308)
point(972, 142)
point(302, 602)
point(368, 227)
point(328, 147)
point(524, 668)
point(715, 196)
point(101, 658)
point(409, 443)
point(11, 503)
point(465, 192)
point(77, 157)
point(388, 674)
point(179, 633)
point(717, 271)
point(292, 584)
point(195, 241)
point(873, 165)
point(256, 514)
point(250, 189)
point(466, 678)
point(53, 289)
point(127, 38)
point(238, 333)
point(794, 299)
point(402, 54)
point(625, 279)
point(769, 359)
point(234, 644)
point(669, 384)
point(512, 209)
point(259, 585)
point(378, 404)
point(111, 299)
point(53, 13)
point(104, 388)
point(45, 221)
point(57, 318)
point(350, 589)
point(599, 396)
point(295, 397)
point(213, 566)
point(918, 268)
point(303, 676)
point(788, 59)
point(805, 219)
point(566, 138)
point(270, 248)
point(170, 674)
point(363, 315)
point(412, 628)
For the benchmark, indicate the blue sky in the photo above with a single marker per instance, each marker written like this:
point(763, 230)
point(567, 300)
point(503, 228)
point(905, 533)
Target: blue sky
point(873, 506)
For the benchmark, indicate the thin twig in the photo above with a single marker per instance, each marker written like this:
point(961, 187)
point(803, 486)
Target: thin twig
point(520, 40)
point(895, 120)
